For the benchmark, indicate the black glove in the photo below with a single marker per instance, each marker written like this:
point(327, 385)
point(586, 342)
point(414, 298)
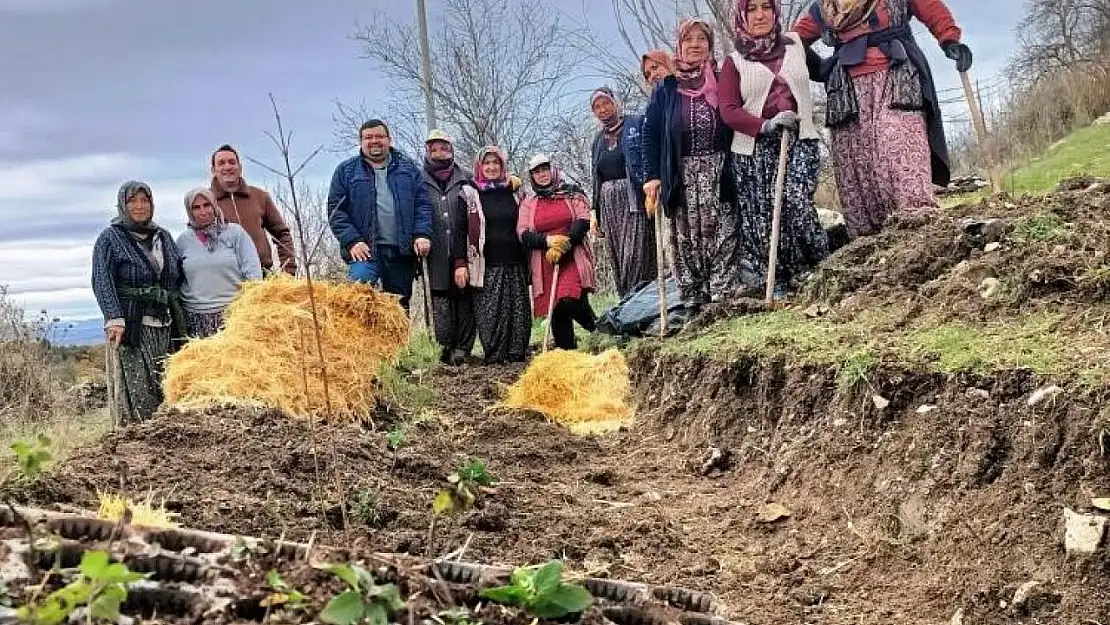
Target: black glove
point(959, 53)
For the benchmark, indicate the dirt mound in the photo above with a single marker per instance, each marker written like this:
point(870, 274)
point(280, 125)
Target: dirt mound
point(950, 497)
point(981, 261)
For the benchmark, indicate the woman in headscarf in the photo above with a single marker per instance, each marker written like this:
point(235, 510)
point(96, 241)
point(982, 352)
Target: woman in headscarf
point(655, 65)
point(136, 277)
point(451, 190)
point(488, 255)
point(217, 257)
point(618, 193)
point(685, 144)
point(553, 224)
point(888, 140)
point(764, 92)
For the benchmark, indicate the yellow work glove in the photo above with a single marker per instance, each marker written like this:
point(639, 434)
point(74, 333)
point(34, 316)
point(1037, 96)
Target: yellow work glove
point(515, 182)
point(553, 255)
point(558, 241)
point(650, 204)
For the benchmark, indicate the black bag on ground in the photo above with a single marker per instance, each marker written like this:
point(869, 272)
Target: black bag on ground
point(638, 313)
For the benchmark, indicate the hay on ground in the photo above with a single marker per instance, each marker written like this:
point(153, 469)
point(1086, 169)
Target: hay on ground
point(143, 513)
point(268, 347)
point(583, 392)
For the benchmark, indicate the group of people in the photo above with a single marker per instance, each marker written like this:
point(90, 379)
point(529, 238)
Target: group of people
point(705, 154)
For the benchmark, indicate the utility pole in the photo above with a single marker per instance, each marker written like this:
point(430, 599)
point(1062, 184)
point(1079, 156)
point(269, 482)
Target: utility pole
point(426, 65)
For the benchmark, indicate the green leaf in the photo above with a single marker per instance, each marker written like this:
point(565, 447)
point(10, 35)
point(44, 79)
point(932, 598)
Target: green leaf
point(389, 596)
point(295, 597)
point(93, 564)
point(344, 609)
point(343, 572)
point(274, 580)
point(522, 577)
point(566, 599)
point(443, 503)
point(376, 614)
point(106, 606)
point(118, 574)
point(547, 579)
point(365, 579)
point(505, 595)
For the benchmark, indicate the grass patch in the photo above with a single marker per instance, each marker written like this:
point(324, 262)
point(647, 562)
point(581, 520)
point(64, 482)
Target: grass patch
point(1043, 343)
point(1041, 228)
point(403, 383)
point(1085, 152)
point(590, 342)
point(66, 433)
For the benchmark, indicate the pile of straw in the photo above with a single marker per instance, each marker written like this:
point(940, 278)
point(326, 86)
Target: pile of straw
point(143, 512)
point(267, 353)
point(587, 394)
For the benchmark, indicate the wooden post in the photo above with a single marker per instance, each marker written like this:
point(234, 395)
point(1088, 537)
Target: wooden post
point(981, 131)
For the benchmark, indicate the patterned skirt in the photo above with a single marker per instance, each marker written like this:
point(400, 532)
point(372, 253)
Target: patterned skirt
point(139, 391)
point(504, 313)
point(204, 325)
point(882, 160)
point(630, 237)
point(707, 251)
point(802, 240)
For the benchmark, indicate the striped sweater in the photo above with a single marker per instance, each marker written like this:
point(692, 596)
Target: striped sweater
point(119, 263)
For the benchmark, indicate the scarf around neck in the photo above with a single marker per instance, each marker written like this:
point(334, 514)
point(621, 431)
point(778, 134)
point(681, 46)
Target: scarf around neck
point(758, 48)
point(208, 235)
point(123, 218)
point(696, 79)
point(440, 168)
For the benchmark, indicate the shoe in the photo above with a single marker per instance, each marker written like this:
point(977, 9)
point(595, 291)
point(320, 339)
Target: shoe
point(457, 358)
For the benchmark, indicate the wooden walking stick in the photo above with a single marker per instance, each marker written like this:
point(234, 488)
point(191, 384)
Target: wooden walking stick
point(429, 316)
point(112, 370)
point(776, 222)
point(551, 305)
point(660, 262)
point(980, 124)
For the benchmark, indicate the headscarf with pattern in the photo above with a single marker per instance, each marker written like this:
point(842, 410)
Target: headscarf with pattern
point(208, 235)
point(614, 123)
point(662, 57)
point(480, 180)
point(696, 79)
point(127, 191)
point(845, 15)
point(758, 48)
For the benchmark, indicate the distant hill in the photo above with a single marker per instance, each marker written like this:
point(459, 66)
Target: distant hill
point(82, 332)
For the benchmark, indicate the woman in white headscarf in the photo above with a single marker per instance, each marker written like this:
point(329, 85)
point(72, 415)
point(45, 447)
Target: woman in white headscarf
point(217, 258)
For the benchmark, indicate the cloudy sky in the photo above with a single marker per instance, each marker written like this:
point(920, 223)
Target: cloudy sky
point(100, 91)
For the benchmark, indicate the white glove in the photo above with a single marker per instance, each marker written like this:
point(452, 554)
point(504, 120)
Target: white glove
point(787, 119)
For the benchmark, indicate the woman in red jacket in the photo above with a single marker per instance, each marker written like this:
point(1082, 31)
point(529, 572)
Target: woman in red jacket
point(552, 225)
point(887, 132)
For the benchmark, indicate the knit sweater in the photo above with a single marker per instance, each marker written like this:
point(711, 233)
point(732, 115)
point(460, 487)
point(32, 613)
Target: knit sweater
point(212, 279)
point(119, 263)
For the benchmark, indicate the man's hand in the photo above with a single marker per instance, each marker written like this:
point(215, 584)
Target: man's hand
point(114, 335)
point(422, 246)
point(360, 252)
point(462, 277)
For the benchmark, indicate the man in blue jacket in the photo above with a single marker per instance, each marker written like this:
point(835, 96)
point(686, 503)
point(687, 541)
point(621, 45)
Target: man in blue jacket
point(380, 212)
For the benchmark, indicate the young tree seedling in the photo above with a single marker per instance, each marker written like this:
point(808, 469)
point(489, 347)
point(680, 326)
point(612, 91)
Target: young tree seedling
point(101, 588)
point(396, 438)
point(364, 602)
point(284, 595)
point(465, 485)
point(542, 592)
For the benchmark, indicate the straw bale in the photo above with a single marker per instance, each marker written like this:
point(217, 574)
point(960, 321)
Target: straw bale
point(267, 350)
point(585, 393)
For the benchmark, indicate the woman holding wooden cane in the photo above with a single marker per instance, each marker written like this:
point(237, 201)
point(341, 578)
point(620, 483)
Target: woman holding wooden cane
point(888, 140)
point(765, 99)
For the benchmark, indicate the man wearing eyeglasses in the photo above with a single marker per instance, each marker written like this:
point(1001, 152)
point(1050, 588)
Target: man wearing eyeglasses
point(380, 213)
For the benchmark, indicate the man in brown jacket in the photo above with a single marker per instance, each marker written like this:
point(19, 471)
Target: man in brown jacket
point(253, 209)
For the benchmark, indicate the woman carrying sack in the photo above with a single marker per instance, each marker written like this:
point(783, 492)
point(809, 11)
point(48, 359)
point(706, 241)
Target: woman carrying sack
point(765, 99)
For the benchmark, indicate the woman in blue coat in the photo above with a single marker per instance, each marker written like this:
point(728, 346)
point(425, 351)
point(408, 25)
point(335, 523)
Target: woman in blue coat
point(618, 193)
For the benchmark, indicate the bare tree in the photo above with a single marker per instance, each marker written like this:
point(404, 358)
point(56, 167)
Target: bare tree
point(644, 25)
point(1055, 36)
point(321, 249)
point(500, 69)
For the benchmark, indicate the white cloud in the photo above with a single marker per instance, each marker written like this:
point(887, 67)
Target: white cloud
point(54, 210)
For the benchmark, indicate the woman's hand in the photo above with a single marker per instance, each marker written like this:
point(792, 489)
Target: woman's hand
point(462, 277)
point(651, 188)
point(114, 335)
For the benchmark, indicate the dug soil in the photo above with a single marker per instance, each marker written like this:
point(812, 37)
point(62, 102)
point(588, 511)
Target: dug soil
point(764, 481)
